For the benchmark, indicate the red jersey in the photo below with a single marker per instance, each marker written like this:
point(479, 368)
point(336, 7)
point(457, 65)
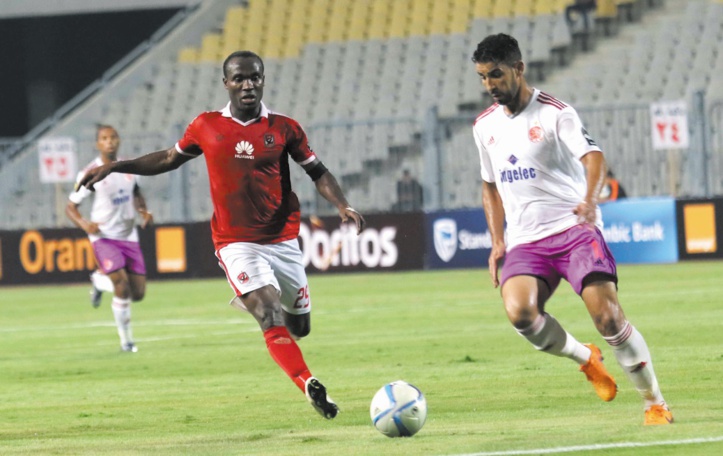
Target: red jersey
point(248, 170)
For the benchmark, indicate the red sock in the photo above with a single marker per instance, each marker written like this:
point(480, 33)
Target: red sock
point(284, 350)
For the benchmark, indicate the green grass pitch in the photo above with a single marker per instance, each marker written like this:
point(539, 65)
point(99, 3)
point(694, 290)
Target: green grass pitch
point(202, 382)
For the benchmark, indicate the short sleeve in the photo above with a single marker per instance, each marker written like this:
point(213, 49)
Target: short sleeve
point(486, 170)
point(573, 135)
point(189, 143)
point(81, 193)
point(298, 144)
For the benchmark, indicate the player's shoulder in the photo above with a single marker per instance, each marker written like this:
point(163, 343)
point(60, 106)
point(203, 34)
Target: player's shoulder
point(549, 101)
point(486, 113)
point(93, 164)
point(279, 117)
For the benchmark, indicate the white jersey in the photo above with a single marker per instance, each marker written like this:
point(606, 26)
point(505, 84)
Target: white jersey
point(534, 160)
point(113, 205)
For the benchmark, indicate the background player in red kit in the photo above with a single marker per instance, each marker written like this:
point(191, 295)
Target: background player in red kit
point(256, 216)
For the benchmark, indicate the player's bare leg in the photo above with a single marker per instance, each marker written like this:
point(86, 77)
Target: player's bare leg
point(137, 284)
point(121, 306)
point(265, 306)
point(629, 347)
point(524, 298)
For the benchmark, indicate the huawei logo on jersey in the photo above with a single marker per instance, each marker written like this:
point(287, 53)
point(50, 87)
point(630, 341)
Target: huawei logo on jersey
point(244, 150)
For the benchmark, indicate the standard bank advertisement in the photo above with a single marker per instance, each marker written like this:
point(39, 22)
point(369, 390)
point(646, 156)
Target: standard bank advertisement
point(641, 230)
point(457, 239)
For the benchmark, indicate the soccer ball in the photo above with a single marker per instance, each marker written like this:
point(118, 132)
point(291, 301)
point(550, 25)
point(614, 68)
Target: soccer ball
point(398, 409)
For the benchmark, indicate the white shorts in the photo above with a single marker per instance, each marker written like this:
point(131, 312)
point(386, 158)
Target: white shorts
point(250, 266)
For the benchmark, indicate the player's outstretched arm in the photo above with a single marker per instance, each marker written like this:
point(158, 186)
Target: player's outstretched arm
point(148, 165)
point(495, 215)
point(329, 188)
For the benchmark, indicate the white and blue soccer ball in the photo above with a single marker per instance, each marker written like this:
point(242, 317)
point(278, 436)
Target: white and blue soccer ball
point(399, 409)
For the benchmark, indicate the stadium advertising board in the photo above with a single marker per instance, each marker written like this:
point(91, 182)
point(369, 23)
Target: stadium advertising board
point(641, 230)
point(457, 239)
point(65, 255)
point(700, 229)
point(389, 242)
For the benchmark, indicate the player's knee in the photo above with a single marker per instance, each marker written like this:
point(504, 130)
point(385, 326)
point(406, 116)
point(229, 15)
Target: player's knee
point(138, 295)
point(521, 316)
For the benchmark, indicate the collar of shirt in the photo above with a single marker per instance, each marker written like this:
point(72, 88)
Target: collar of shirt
point(226, 112)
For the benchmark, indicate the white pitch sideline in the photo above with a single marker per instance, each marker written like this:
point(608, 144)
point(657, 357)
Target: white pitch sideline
point(601, 446)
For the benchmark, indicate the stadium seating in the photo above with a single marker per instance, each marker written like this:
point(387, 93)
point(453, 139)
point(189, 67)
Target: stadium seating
point(361, 77)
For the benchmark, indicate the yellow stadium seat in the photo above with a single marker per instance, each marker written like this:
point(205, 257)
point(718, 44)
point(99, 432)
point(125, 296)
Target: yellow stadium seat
point(461, 14)
point(338, 22)
point(502, 8)
point(188, 55)
point(399, 18)
point(441, 17)
point(482, 8)
point(606, 9)
point(420, 17)
point(210, 48)
point(296, 31)
point(359, 21)
point(546, 7)
point(273, 46)
point(317, 21)
point(524, 8)
point(379, 19)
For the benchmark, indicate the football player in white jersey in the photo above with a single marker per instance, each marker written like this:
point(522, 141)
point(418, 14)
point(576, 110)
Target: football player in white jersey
point(112, 232)
point(542, 174)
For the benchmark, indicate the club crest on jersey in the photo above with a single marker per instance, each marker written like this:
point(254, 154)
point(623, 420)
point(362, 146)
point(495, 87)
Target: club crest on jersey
point(108, 264)
point(269, 140)
point(244, 150)
point(243, 277)
point(536, 134)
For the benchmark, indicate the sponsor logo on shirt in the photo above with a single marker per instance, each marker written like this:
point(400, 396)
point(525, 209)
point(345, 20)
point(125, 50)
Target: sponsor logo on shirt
point(245, 150)
point(121, 198)
point(512, 159)
point(511, 175)
point(491, 141)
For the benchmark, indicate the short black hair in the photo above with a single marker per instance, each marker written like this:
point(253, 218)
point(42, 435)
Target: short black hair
point(100, 126)
point(243, 55)
point(500, 48)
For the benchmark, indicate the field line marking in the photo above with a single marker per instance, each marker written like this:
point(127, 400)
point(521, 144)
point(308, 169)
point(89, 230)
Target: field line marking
point(599, 446)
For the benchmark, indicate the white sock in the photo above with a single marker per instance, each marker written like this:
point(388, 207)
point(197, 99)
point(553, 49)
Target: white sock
point(633, 356)
point(122, 313)
point(102, 282)
point(546, 334)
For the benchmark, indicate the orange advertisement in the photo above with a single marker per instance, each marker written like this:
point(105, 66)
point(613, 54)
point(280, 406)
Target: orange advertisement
point(700, 234)
point(171, 249)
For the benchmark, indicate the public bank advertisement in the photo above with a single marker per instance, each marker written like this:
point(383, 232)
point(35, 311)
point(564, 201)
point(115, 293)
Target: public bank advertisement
point(641, 230)
point(457, 239)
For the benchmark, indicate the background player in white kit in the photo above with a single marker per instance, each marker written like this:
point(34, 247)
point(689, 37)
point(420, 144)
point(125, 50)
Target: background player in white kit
point(113, 234)
point(542, 174)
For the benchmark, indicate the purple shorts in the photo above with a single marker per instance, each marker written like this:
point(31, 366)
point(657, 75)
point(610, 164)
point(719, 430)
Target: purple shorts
point(574, 255)
point(113, 255)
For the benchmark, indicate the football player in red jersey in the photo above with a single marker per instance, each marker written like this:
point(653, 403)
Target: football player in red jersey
point(256, 216)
